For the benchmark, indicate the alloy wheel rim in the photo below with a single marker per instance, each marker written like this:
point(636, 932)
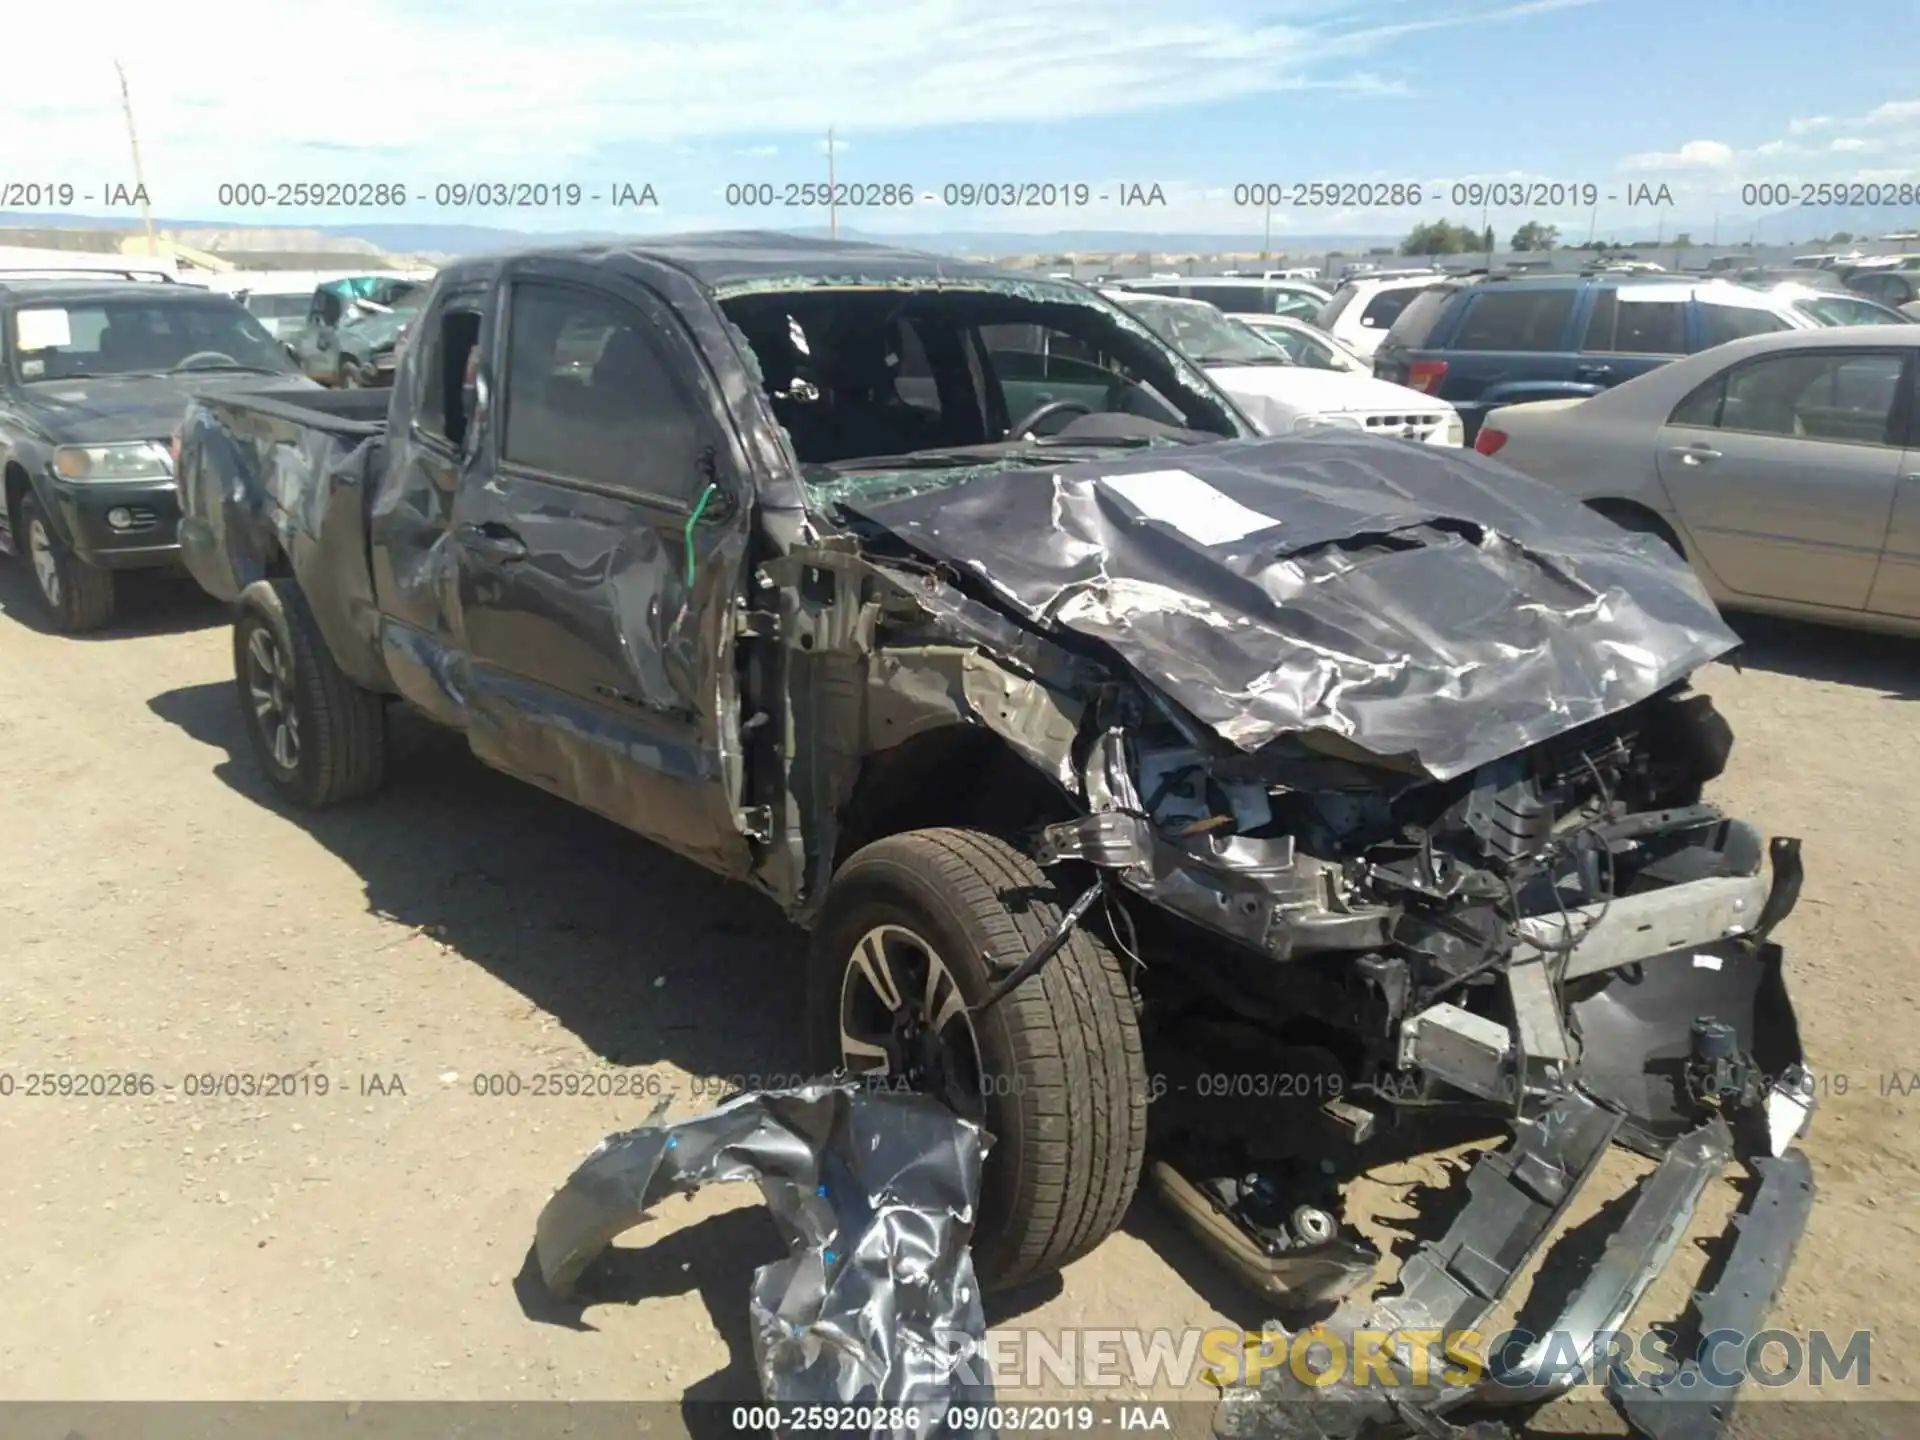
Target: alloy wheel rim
point(902, 1017)
point(46, 565)
point(270, 686)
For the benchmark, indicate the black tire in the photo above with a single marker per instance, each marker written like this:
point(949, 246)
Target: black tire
point(1065, 1092)
point(77, 597)
point(339, 736)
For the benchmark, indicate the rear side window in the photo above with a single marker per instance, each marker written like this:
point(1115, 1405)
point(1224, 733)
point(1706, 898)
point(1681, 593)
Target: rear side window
point(1416, 322)
point(1383, 309)
point(1702, 407)
point(442, 407)
point(1531, 320)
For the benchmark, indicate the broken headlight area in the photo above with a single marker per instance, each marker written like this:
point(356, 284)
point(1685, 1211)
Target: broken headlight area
point(1340, 963)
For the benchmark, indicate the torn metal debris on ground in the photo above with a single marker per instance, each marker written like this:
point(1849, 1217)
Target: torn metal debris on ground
point(875, 1192)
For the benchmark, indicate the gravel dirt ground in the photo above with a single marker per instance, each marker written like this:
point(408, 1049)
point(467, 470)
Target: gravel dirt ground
point(162, 915)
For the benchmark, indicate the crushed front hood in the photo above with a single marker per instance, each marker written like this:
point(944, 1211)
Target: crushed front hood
point(1429, 606)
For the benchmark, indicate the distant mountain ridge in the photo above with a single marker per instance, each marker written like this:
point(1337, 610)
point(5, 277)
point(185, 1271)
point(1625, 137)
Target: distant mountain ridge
point(449, 239)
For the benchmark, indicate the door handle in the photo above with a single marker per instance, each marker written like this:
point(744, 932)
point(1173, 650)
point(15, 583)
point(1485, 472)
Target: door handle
point(495, 541)
point(1695, 454)
point(1592, 372)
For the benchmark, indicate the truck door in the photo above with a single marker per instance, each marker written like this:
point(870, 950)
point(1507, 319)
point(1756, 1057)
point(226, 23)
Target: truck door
point(411, 519)
point(600, 540)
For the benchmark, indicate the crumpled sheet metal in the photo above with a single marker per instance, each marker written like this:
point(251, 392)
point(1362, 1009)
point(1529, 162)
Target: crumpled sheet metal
point(875, 1193)
point(1435, 610)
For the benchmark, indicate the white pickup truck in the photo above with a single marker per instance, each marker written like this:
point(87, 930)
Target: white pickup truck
point(1279, 394)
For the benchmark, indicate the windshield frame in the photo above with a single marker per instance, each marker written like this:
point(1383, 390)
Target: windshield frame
point(271, 354)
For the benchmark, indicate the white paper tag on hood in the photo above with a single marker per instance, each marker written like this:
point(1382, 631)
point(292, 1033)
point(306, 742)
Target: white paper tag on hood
point(1190, 505)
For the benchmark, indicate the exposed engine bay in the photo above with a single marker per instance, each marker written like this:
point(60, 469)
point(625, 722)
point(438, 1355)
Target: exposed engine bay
point(1412, 945)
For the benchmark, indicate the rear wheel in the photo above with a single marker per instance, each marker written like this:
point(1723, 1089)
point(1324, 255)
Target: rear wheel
point(320, 737)
point(76, 596)
point(1054, 1071)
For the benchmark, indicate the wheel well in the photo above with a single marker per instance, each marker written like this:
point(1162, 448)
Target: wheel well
point(960, 776)
point(1631, 515)
point(275, 564)
point(17, 486)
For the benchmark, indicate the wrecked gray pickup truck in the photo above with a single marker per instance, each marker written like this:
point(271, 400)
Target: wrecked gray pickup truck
point(1308, 789)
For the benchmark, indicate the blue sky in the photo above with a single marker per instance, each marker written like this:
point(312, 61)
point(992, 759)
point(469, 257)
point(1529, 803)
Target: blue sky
point(1195, 98)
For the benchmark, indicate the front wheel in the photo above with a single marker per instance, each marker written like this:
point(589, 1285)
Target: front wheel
point(320, 737)
point(1054, 1071)
point(76, 596)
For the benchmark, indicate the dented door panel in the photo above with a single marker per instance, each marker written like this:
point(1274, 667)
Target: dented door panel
point(597, 622)
point(593, 665)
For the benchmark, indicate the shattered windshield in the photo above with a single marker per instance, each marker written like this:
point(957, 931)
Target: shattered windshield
point(1202, 333)
point(910, 386)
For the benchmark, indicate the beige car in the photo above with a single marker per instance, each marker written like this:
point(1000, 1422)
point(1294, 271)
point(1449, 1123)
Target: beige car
point(1785, 466)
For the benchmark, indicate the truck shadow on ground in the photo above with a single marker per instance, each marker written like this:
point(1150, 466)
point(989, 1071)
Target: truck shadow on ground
point(1888, 664)
point(147, 603)
point(644, 956)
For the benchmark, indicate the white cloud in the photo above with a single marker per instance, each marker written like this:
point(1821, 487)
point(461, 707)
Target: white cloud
point(1894, 112)
point(431, 91)
point(759, 152)
point(1713, 172)
point(1694, 155)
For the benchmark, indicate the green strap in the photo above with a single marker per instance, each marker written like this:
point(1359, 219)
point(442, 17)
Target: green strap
point(699, 508)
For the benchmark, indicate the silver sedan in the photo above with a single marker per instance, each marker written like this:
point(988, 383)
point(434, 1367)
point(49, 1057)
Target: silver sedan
point(1785, 466)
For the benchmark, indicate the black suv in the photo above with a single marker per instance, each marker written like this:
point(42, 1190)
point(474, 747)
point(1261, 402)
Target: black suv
point(94, 377)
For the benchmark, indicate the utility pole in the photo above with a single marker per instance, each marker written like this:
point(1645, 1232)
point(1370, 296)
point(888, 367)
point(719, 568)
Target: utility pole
point(833, 210)
point(139, 176)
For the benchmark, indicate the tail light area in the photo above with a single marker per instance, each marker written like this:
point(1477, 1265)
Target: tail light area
point(1489, 440)
point(1426, 376)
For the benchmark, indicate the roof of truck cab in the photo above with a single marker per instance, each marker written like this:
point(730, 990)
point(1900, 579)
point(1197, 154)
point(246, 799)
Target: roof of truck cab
point(729, 257)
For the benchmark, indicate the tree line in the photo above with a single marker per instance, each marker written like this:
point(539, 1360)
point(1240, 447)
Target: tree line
point(1444, 237)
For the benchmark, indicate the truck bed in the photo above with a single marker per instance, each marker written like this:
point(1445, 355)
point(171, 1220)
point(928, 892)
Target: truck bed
point(349, 414)
point(279, 483)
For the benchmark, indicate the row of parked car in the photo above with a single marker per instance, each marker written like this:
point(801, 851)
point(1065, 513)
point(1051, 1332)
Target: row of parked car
point(1782, 457)
point(1415, 356)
